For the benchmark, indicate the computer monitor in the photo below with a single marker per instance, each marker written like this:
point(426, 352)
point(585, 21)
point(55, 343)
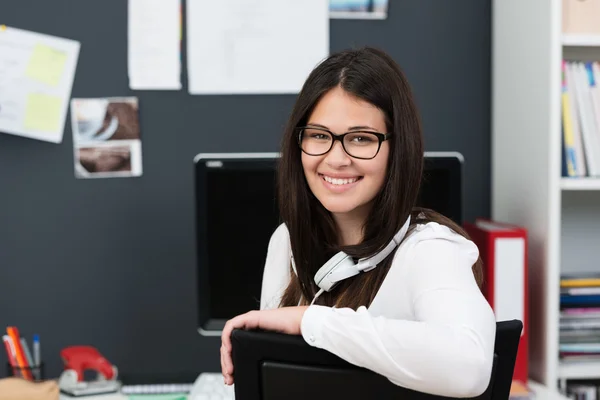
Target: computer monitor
point(442, 185)
point(236, 214)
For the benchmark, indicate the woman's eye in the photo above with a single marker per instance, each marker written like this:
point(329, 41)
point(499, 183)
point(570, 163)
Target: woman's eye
point(361, 139)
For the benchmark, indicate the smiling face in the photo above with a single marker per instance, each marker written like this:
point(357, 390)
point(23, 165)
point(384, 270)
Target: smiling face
point(345, 185)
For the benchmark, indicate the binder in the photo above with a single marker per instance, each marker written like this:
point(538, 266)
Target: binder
point(503, 250)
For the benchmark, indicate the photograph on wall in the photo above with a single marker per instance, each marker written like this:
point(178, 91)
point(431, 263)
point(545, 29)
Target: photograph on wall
point(358, 9)
point(106, 137)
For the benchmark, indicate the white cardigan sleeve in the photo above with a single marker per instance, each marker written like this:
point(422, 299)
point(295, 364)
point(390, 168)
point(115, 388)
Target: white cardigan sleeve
point(276, 274)
point(446, 350)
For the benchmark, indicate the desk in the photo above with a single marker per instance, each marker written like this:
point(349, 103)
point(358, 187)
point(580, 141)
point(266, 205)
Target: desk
point(541, 391)
point(110, 396)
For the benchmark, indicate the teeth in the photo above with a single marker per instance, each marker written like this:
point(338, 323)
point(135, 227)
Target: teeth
point(336, 181)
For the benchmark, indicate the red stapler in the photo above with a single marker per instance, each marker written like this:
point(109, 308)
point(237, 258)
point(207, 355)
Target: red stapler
point(78, 359)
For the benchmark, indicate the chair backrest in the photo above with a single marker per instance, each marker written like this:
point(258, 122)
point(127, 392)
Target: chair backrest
point(269, 365)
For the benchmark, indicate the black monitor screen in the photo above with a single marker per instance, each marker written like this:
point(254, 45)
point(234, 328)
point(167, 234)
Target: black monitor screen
point(237, 213)
point(441, 188)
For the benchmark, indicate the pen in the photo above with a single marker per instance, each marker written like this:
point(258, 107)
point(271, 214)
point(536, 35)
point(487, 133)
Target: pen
point(28, 358)
point(37, 355)
point(11, 354)
point(13, 332)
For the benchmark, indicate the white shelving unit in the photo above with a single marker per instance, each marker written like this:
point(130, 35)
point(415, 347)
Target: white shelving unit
point(541, 392)
point(573, 40)
point(562, 215)
point(583, 370)
point(580, 183)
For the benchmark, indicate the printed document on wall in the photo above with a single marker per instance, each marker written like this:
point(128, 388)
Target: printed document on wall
point(36, 77)
point(358, 9)
point(154, 44)
point(106, 137)
point(254, 46)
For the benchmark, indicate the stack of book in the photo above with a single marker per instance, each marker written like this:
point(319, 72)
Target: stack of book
point(580, 318)
point(583, 390)
point(580, 102)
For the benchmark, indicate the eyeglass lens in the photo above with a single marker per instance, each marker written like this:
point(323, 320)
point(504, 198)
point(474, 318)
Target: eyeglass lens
point(357, 144)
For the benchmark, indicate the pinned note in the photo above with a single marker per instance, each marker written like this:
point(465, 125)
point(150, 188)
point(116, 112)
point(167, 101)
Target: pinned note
point(43, 112)
point(242, 47)
point(46, 64)
point(358, 9)
point(36, 77)
point(154, 44)
point(106, 137)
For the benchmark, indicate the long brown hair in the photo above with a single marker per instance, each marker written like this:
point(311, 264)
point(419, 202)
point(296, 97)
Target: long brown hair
point(373, 76)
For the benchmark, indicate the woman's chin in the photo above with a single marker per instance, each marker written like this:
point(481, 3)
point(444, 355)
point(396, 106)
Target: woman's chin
point(339, 207)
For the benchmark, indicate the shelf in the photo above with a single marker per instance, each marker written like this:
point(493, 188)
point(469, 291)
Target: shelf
point(581, 40)
point(544, 393)
point(579, 370)
point(580, 183)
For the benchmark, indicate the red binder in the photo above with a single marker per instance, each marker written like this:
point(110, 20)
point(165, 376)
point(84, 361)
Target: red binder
point(503, 250)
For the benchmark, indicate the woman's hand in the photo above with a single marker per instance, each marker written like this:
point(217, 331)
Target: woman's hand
point(283, 320)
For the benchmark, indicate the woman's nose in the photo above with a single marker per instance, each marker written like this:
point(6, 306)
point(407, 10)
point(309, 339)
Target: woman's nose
point(337, 156)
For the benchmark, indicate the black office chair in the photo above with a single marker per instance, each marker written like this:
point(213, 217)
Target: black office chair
point(274, 366)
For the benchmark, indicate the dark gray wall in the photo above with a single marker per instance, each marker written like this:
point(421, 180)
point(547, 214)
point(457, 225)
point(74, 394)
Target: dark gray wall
point(111, 262)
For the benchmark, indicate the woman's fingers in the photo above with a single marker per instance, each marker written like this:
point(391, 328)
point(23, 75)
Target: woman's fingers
point(249, 320)
point(226, 335)
point(226, 366)
point(222, 352)
point(226, 361)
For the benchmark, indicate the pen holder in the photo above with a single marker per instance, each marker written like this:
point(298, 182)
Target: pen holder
point(36, 372)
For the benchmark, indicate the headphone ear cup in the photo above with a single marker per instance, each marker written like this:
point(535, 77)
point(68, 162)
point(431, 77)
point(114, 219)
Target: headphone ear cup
point(337, 263)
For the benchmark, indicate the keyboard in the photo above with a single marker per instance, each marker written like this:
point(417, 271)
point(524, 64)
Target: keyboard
point(210, 386)
point(162, 388)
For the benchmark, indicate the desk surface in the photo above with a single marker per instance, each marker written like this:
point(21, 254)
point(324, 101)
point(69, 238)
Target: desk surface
point(542, 393)
point(110, 396)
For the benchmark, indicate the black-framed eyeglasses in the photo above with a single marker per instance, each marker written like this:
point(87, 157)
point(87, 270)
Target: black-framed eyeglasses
point(361, 144)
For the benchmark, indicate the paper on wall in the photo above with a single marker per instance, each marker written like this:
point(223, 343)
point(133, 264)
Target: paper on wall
point(358, 9)
point(254, 46)
point(154, 44)
point(106, 137)
point(36, 77)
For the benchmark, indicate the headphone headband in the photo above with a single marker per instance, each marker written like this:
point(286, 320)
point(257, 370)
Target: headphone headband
point(368, 263)
point(341, 266)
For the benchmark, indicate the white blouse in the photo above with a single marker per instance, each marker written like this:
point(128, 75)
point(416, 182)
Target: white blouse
point(429, 328)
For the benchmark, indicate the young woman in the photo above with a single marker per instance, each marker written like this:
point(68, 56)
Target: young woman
point(349, 175)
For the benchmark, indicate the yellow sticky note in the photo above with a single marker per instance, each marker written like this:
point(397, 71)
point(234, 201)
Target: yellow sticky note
point(43, 112)
point(46, 64)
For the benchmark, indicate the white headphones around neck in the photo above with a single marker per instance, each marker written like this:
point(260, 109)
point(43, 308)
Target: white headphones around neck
point(341, 266)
